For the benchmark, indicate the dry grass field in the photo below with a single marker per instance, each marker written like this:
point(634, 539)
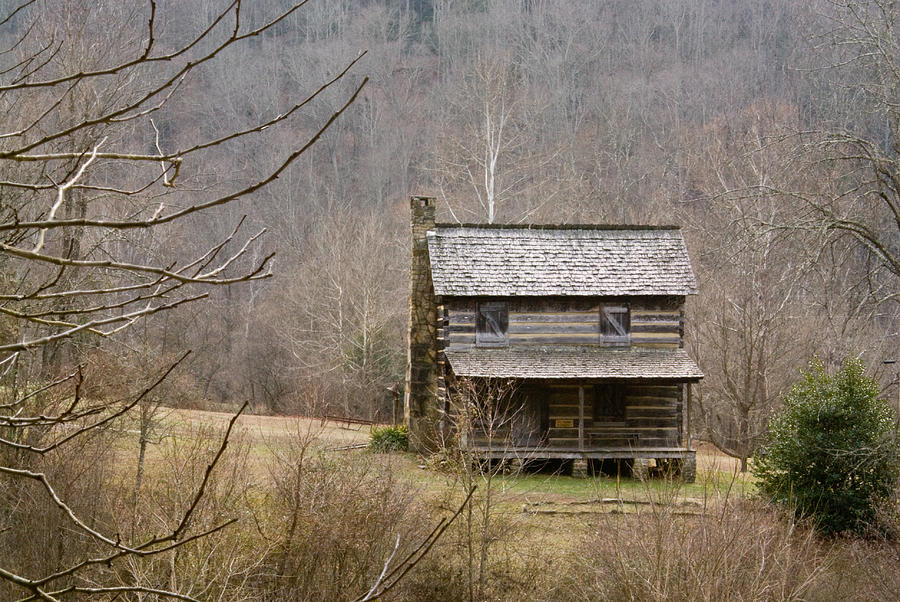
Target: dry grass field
point(318, 516)
point(264, 430)
point(261, 430)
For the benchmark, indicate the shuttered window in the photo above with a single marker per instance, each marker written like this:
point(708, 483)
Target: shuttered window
point(492, 324)
point(615, 325)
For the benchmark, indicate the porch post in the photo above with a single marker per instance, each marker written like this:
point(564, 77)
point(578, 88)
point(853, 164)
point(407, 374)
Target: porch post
point(687, 418)
point(580, 418)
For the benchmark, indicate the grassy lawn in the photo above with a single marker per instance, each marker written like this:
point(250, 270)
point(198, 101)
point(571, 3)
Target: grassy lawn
point(717, 475)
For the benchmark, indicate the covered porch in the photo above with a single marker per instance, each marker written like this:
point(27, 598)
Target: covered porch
point(591, 404)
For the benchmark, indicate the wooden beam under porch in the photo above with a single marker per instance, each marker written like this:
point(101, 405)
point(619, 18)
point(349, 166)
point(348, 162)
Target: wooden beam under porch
point(561, 453)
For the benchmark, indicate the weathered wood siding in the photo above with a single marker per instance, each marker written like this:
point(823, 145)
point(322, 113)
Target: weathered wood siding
point(522, 422)
point(655, 321)
point(552, 417)
point(652, 418)
point(657, 327)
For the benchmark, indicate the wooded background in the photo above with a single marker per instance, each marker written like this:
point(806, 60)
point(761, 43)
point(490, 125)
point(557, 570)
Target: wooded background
point(767, 129)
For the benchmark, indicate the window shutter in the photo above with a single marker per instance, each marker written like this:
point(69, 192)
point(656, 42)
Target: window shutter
point(492, 324)
point(615, 324)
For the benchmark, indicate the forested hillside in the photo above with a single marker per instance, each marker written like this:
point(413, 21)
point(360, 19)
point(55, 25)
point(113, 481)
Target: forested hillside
point(732, 119)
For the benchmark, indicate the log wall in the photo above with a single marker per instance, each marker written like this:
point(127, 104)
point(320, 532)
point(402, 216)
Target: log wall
point(652, 418)
point(656, 322)
point(551, 416)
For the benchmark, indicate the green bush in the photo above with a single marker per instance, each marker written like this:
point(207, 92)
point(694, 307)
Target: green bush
point(831, 454)
point(389, 438)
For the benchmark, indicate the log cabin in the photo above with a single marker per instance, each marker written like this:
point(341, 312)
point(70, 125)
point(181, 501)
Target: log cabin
point(568, 339)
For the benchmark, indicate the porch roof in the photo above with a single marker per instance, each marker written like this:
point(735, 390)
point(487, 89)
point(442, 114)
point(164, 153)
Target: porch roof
point(540, 362)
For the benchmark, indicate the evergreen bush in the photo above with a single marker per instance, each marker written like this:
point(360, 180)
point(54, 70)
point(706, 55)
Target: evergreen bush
point(831, 453)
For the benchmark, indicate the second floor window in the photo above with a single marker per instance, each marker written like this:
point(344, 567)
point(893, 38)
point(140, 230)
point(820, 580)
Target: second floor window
point(492, 324)
point(615, 325)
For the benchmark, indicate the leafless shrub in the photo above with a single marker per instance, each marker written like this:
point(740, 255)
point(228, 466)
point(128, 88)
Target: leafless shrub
point(860, 570)
point(516, 566)
point(38, 537)
point(479, 558)
point(93, 480)
point(740, 551)
point(332, 522)
point(215, 567)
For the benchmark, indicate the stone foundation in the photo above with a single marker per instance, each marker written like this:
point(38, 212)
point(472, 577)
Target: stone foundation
point(689, 468)
point(640, 469)
point(580, 468)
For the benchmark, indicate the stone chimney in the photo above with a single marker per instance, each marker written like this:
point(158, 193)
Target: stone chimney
point(420, 399)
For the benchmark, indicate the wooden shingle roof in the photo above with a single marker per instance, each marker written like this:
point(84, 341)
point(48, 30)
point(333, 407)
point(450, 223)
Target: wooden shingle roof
point(545, 260)
point(574, 363)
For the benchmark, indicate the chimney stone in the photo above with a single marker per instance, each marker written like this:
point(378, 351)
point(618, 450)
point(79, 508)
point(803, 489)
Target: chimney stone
point(421, 408)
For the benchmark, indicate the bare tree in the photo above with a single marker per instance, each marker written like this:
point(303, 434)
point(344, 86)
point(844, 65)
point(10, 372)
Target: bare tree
point(856, 149)
point(750, 327)
point(88, 164)
point(487, 103)
point(486, 414)
point(749, 338)
point(490, 161)
point(772, 297)
point(340, 322)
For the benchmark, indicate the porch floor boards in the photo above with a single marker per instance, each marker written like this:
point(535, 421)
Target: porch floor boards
point(573, 453)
